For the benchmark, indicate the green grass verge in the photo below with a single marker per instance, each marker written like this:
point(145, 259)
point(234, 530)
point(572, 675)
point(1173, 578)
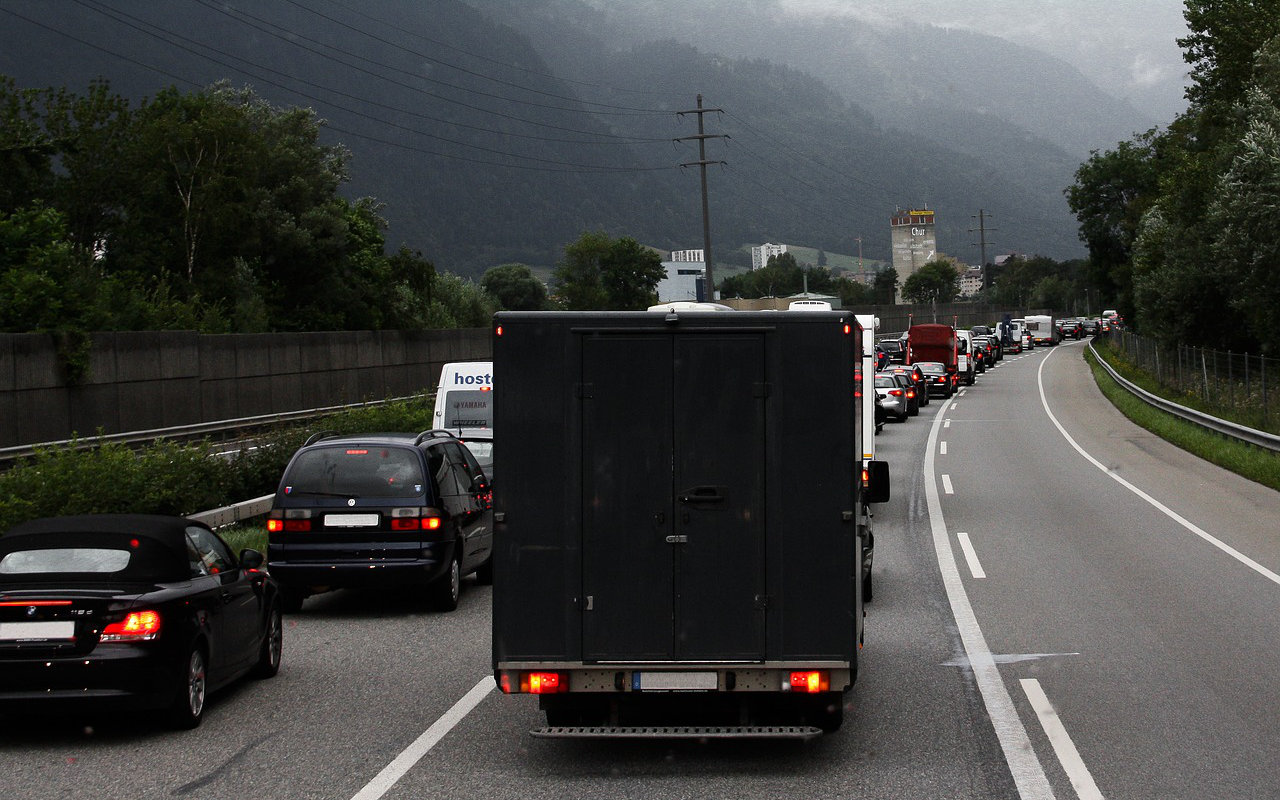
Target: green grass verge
point(245, 535)
point(1255, 463)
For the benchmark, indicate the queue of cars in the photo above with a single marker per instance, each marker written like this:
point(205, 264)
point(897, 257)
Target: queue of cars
point(148, 612)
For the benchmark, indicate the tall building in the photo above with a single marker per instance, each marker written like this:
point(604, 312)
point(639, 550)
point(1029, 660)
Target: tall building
point(687, 255)
point(760, 255)
point(914, 243)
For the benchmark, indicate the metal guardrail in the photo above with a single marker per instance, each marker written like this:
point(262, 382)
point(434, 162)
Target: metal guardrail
point(1241, 432)
point(182, 432)
point(238, 512)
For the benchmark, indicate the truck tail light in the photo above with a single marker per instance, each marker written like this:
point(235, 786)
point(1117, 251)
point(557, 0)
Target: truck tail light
point(810, 681)
point(537, 682)
point(137, 626)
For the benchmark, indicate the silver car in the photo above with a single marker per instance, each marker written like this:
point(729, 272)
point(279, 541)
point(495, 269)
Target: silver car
point(892, 397)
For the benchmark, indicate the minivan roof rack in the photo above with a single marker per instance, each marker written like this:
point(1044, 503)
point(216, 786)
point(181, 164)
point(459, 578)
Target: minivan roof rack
point(315, 437)
point(434, 433)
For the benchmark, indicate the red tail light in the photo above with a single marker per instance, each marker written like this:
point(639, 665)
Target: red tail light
point(896, 392)
point(810, 681)
point(137, 626)
point(544, 682)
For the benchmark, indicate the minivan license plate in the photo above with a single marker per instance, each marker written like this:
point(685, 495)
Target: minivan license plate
point(351, 520)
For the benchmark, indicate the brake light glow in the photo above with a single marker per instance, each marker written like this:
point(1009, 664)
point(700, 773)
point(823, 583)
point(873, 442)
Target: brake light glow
point(543, 682)
point(810, 681)
point(357, 452)
point(24, 603)
point(896, 392)
point(137, 626)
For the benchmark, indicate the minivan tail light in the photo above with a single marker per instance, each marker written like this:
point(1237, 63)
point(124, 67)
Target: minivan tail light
point(415, 519)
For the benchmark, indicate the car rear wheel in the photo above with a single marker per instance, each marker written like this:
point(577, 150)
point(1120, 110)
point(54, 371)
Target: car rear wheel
point(444, 591)
point(188, 704)
point(272, 645)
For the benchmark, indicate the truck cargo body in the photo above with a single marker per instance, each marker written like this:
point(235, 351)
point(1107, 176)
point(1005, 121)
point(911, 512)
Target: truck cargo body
point(676, 537)
point(934, 342)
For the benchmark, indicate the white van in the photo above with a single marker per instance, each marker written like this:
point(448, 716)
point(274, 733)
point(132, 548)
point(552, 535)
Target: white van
point(464, 396)
point(966, 369)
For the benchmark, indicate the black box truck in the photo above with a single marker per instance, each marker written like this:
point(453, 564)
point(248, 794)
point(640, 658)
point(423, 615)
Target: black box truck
point(677, 548)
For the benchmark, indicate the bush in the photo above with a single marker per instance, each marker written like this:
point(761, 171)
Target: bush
point(175, 478)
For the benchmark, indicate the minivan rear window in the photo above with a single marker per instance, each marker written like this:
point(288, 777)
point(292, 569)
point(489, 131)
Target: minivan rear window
point(356, 471)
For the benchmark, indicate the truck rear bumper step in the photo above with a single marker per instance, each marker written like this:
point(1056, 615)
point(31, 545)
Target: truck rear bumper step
point(679, 732)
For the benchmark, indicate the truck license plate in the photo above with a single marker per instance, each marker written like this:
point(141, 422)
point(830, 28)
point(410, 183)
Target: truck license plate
point(674, 681)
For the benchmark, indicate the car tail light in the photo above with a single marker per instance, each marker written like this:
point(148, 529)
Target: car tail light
point(810, 681)
point(415, 519)
point(291, 520)
point(137, 626)
point(896, 392)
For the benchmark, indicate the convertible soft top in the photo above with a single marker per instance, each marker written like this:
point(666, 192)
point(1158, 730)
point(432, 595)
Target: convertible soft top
point(157, 545)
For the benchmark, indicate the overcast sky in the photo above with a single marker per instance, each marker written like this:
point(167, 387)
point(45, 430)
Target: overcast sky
point(1128, 47)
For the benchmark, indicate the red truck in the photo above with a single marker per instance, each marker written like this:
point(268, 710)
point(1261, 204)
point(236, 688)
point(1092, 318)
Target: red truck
point(935, 342)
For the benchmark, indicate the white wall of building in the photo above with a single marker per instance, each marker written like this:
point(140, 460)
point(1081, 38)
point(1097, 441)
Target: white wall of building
point(681, 282)
point(760, 255)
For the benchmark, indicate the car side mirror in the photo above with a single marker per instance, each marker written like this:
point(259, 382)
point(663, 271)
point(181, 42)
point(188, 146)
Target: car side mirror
point(875, 482)
point(251, 560)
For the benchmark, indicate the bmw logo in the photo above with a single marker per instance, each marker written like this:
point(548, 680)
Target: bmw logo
point(351, 501)
point(31, 611)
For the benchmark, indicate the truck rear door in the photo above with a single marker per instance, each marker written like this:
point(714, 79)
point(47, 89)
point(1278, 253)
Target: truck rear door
point(673, 481)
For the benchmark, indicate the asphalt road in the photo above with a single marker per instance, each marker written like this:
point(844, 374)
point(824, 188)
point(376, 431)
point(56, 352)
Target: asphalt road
point(1039, 630)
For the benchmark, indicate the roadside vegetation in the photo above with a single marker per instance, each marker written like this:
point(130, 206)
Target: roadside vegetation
point(176, 478)
point(1246, 460)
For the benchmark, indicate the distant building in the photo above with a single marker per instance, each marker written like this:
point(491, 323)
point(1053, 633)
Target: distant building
point(760, 255)
point(914, 243)
point(971, 281)
point(684, 281)
point(687, 255)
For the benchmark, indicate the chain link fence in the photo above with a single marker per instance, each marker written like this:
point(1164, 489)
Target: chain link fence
point(1241, 387)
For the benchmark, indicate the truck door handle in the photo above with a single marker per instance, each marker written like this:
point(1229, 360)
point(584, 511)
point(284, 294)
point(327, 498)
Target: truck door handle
point(702, 494)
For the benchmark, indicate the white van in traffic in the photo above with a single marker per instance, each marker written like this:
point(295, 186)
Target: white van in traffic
point(464, 396)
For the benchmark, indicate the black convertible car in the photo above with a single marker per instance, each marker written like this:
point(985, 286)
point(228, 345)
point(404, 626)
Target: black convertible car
point(134, 610)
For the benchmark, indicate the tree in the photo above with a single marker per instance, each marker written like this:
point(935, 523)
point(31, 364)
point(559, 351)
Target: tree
point(935, 282)
point(598, 272)
point(515, 287)
point(577, 281)
point(885, 288)
point(1247, 247)
point(1223, 37)
point(1111, 193)
point(630, 274)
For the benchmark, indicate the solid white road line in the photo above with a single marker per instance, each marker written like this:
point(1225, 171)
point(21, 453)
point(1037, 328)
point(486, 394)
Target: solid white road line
point(970, 555)
point(1028, 774)
point(1169, 512)
point(1070, 758)
point(393, 772)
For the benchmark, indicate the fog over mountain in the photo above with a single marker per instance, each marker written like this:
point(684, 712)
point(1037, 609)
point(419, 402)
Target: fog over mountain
point(499, 130)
